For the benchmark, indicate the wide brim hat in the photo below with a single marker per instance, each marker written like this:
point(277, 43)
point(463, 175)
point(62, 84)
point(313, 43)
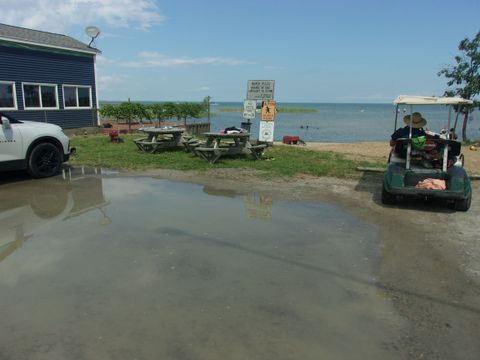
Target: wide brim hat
point(417, 120)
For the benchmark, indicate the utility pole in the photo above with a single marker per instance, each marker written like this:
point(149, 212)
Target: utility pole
point(129, 120)
point(208, 108)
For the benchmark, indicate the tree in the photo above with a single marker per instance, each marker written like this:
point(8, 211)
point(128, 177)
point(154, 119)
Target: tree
point(127, 111)
point(189, 110)
point(158, 111)
point(109, 110)
point(170, 109)
point(464, 77)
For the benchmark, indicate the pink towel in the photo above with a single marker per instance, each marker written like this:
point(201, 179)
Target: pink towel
point(432, 184)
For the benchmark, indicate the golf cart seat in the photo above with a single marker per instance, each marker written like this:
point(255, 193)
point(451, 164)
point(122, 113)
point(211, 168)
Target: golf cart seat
point(433, 150)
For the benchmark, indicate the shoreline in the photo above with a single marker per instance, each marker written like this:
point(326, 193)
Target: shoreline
point(376, 151)
point(379, 150)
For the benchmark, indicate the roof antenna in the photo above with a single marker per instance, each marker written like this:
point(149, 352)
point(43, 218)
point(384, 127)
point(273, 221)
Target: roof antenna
point(93, 32)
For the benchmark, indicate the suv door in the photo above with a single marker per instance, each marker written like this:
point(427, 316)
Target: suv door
point(11, 143)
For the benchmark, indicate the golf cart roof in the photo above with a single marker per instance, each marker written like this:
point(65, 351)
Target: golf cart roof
point(430, 100)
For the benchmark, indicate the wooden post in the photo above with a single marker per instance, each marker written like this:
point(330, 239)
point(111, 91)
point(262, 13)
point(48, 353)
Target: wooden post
point(208, 108)
point(129, 122)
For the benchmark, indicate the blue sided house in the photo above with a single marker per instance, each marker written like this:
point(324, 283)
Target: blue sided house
point(47, 77)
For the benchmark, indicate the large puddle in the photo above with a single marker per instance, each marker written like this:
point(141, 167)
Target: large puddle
point(108, 267)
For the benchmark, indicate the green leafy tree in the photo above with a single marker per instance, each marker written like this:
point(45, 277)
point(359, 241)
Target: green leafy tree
point(158, 112)
point(464, 77)
point(170, 109)
point(129, 111)
point(182, 112)
point(189, 110)
point(109, 111)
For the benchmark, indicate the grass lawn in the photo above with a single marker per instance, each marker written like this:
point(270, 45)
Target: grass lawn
point(280, 161)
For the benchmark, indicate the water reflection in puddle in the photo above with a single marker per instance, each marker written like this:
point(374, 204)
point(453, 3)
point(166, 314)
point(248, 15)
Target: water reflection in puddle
point(124, 268)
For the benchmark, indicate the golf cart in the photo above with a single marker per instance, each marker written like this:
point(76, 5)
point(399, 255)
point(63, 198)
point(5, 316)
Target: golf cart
point(429, 166)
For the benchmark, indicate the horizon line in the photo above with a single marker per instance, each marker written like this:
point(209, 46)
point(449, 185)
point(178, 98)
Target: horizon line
point(241, 101)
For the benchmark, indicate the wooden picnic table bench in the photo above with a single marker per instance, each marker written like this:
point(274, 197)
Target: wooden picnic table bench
point(209, 153)
point(191, 144)
point(159, 139)
point(218, 145)
point(257, 150)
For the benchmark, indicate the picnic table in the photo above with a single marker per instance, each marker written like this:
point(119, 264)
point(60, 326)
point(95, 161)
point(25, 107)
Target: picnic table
point(159, 139)
point(218, 145)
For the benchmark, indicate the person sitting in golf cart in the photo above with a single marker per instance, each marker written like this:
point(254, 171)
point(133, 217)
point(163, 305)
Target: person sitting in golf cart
point(419, 136)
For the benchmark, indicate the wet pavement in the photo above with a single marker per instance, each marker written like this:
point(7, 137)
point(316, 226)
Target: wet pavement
point(110, 267)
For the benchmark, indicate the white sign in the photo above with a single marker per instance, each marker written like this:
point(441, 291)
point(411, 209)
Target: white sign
point(266, 131)
point(260, 89)
point(249, 109)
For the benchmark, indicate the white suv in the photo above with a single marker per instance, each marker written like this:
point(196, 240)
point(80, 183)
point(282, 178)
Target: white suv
point(40, 148)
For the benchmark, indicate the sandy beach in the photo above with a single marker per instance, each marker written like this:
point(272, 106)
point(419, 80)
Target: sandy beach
point(379, 151)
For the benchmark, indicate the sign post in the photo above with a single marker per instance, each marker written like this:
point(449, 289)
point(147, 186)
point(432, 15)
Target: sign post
point(267, 123)
point(249, 110)
point(269, 110)
point(260, 89)
point(249, 107)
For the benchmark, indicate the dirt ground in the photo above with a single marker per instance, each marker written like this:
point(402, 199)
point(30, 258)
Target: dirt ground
point(379, 151)
point(430, 264)
point(429, 255)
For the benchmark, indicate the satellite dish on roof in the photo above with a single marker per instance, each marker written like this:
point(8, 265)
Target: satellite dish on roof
point(93, 32)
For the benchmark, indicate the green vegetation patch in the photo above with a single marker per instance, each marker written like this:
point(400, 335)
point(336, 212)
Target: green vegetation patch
point(230, 109)
point(280, 161)
point(296, 110)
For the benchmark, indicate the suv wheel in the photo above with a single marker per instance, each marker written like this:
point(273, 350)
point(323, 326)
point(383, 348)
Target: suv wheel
point(45, 160)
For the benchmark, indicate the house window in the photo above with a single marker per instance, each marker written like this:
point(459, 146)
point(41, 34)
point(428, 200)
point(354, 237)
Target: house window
point(77, 96)
point(8, 99)
point(40, 96)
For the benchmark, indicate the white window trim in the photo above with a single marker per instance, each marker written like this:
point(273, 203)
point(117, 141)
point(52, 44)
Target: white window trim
point(40, 93)
point(15, 105)
point(89, 87)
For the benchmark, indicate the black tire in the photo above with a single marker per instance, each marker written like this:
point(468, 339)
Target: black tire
point(387, 198)
point(45, 160)
point(463, 204)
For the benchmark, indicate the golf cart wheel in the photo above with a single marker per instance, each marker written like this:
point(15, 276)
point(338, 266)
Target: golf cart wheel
point(387, 198)
point(45, 160)
point(463, 204)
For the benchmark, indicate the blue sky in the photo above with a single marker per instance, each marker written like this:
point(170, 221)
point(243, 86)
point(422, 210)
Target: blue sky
point(316, 51)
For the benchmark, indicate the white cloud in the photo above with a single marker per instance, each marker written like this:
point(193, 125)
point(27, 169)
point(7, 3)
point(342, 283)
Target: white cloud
point(203, 88)
point(155, 59)
point(58, 15)
point(108, 82)
point(102, 59)
point(117, 189)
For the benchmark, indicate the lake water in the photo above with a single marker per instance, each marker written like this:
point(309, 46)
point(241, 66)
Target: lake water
point(106, 267)
point(342, 122)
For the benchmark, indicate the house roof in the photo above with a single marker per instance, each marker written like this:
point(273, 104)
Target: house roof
point(43, 38)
